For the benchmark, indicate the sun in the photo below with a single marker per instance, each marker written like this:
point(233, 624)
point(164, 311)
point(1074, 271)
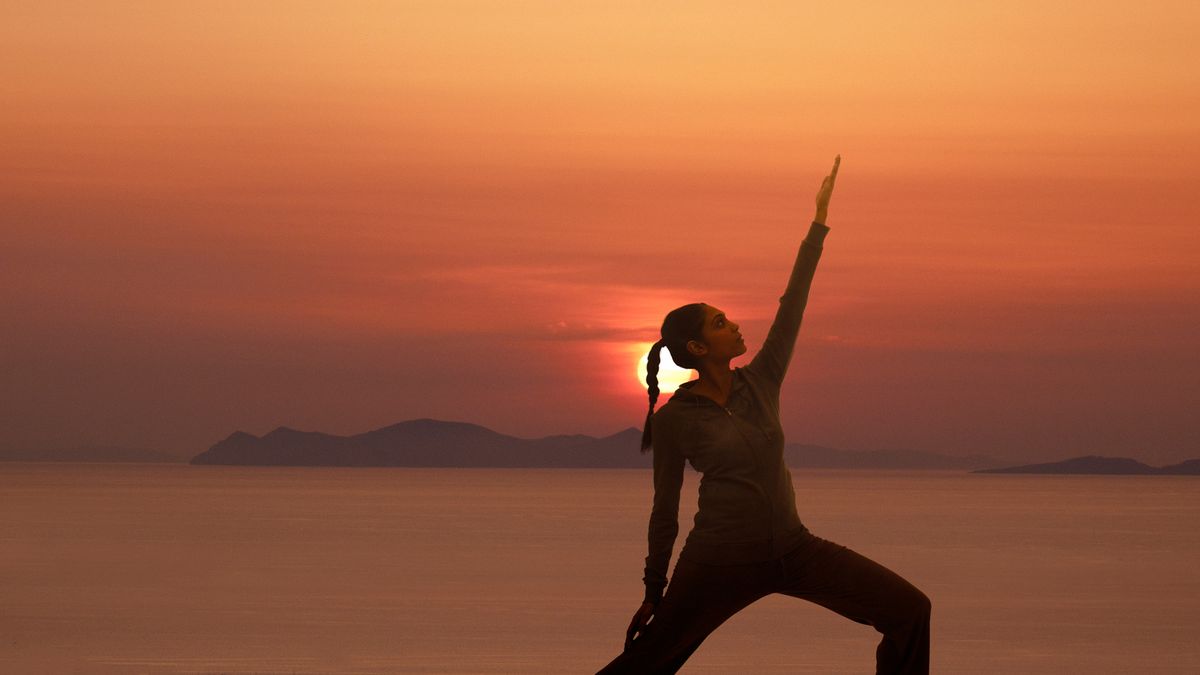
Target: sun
point(670, 376)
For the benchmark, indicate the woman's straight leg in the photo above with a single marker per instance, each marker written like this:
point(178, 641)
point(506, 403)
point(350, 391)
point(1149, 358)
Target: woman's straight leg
point(862, 590)
point(698, 599)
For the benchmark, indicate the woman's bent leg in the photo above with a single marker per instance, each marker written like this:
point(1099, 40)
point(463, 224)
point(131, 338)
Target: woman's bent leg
point(862, 590)
point(699, 598)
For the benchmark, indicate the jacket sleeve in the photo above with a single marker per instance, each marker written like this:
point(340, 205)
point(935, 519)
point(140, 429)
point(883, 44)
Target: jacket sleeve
point(664, 516)
point(772, 360)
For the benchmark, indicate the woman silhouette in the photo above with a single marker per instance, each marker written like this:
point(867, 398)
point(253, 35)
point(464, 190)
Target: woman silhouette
point(747, 541)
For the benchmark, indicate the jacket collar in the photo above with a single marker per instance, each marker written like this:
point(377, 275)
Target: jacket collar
point(685, 394)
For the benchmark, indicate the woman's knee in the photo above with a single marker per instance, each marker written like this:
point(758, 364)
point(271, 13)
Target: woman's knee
point(919, 605)
point(907, 605)
point(905, 612)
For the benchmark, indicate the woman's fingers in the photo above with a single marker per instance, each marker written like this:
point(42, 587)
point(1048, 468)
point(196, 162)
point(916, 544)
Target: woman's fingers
point(827, 185)
point(832, 177)
point(640, 619)
point(630, 635)
point(634, 626)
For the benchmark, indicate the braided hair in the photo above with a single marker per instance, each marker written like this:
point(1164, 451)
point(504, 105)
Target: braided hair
point(682, 325)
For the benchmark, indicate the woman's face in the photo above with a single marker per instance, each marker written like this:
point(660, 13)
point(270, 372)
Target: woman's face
point(722, 337)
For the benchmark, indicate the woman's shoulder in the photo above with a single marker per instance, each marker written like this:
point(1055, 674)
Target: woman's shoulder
point(682, 402)
point(669, 426)
point(668, 412)
point(673, 415)
point(680, 416)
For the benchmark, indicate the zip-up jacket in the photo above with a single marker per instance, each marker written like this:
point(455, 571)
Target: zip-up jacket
point(747, 507)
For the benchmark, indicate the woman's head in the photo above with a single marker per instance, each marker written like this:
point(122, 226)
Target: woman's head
point(693, 334)
point(681, 326)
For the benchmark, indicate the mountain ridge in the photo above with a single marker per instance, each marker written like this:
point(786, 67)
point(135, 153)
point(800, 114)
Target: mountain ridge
point(427, 442)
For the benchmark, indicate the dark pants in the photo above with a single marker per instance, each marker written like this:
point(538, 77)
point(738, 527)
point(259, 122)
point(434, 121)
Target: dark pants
point(701, 597)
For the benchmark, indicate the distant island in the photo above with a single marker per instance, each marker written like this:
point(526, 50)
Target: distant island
point(436, 443)
point(1111, 466)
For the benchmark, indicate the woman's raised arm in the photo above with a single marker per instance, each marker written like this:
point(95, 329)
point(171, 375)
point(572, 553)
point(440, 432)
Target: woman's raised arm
point(772, 360)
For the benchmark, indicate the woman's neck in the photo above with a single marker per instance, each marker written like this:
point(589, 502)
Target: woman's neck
point(715, 382)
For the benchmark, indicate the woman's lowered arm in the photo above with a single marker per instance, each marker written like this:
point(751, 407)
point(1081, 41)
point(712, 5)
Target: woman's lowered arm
point(664, 516)
point(664, 522)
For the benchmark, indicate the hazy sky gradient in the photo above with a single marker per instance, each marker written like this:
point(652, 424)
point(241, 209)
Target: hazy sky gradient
point(239, 216)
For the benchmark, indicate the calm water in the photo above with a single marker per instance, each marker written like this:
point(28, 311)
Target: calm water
point(181, 569)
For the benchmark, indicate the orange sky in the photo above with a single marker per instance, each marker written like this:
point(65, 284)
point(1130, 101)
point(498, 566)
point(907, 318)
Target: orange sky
point(236, 217)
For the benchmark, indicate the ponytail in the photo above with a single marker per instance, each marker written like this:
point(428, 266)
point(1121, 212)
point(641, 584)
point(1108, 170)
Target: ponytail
point(681, 325)
point(652, 361)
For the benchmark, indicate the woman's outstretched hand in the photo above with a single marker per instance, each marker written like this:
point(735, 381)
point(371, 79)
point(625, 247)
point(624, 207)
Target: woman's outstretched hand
point(826, 192)
point(638, 624)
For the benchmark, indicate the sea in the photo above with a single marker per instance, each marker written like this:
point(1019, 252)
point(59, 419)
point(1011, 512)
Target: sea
point(165, 568)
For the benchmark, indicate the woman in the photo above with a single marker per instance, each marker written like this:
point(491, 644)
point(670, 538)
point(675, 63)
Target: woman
point(747, 541)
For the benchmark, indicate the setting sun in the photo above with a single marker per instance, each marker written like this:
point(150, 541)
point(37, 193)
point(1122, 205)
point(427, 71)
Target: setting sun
point(670, 376)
